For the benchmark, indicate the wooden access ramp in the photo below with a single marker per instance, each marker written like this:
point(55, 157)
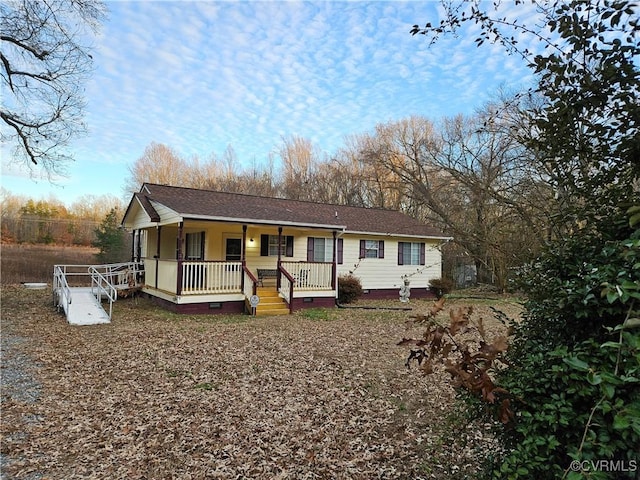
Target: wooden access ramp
point(86, 305)
point(85, 308)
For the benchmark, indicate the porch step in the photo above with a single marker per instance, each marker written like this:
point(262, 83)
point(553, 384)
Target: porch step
point(271, 303)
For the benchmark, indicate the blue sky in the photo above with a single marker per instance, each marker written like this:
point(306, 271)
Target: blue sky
point(201, 76)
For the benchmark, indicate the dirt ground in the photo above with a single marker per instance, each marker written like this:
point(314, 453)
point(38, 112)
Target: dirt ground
point(321, 394)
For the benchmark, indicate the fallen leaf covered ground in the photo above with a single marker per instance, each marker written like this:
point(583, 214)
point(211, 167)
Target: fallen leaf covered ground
point(321, 394)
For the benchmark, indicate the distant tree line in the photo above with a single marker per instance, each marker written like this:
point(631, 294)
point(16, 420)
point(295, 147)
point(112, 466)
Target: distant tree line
point(25, 220)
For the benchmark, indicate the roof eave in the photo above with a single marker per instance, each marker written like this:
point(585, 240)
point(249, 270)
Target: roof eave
point(406, 235)
point(255, 221)
point(153, 214)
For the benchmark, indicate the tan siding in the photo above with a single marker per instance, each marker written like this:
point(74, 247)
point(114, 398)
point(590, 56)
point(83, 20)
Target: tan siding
point(373, 273)
point(168, 243)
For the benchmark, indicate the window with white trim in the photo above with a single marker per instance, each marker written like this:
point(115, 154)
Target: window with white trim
point(320, 249)
point(273, 246)
point(194, 246)
point(323, 250)
point(269, 246)
point(371, 249)
point(411, 253)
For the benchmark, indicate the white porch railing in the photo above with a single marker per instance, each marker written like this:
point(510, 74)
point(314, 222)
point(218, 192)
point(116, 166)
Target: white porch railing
point(203, 277)
point(250, 283)
point(286, 288)
point(210, 277)
point(310, 275)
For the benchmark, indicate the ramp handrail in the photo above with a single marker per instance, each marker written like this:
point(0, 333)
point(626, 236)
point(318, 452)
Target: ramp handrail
point(60, 283)
point(102, 286)
point(119, 273)
point(104, 281)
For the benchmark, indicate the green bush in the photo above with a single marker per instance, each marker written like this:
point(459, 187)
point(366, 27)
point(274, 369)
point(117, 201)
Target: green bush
point(574, 375)
point(440, 286)
point(111, 240)
point(349, 288)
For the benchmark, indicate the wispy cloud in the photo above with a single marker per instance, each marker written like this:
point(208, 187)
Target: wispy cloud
point(202, 75)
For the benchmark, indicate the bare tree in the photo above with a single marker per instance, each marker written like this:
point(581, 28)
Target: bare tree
point(299, 162)
point(259, 180)
point(44, 63)
point(349, 179)
point(468, 177)
point(159, 164)
point(202, 174)
point(95, 207)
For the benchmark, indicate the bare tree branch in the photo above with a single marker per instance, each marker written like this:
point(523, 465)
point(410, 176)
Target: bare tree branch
point(43, 62)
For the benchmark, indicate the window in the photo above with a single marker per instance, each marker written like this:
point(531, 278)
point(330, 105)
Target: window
point(194, 246)
point(233, 249)
point(195, 275)
point(273, 246)
point(411, 253)
point(269, 246)
point(371, 248)
point(320, 249)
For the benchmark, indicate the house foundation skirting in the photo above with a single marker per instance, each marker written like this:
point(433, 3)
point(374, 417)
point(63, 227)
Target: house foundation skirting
point(226, 306)
point(394, 293)
point(209, 308)
point(313, 302)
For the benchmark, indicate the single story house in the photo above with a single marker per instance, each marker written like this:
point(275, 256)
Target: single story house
point(211, 252)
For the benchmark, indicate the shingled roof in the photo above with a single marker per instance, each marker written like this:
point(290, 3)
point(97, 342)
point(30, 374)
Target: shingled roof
point(190, 203)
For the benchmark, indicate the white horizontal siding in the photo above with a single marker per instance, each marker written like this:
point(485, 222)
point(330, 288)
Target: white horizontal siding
point(380, 273)
point(167, 215)
point(137, 218)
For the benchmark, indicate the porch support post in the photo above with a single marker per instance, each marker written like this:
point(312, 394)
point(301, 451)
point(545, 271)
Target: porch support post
point(138, 247)
point(133, 246)
point(279, 280)
point(243, 257)
point(334, 261)
point(157, 256)
point(179, 258)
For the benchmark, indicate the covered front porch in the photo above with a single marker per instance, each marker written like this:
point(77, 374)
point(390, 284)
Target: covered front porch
point(217, 267)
